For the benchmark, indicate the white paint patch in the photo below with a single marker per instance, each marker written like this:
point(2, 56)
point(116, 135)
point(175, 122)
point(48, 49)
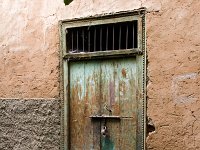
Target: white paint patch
point(181, 14)
point(176, 89)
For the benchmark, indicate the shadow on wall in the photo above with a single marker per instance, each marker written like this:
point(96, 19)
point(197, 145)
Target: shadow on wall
point(67, 2)
point(150, 126)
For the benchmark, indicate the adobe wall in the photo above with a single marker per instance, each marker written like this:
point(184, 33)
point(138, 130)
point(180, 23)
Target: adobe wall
point(173, 47)
point(29, 81)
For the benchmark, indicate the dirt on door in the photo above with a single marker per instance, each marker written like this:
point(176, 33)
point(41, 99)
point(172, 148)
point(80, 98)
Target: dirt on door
point(103, 104)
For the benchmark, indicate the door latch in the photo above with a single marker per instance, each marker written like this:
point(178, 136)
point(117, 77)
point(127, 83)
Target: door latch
point(104, 131)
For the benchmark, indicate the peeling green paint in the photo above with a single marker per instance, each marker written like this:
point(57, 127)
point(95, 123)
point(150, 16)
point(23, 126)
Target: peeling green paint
point(140, 55)
point(107, 144)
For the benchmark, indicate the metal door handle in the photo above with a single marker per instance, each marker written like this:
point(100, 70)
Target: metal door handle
point(104, 117)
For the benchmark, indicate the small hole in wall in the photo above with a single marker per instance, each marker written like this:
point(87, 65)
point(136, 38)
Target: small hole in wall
point(67, 2)
point(150, 126)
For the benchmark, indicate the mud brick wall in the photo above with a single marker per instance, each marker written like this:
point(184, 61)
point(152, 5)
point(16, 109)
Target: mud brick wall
point(29, 70)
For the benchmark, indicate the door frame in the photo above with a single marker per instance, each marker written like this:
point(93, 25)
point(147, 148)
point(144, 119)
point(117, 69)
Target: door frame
point(139, 53)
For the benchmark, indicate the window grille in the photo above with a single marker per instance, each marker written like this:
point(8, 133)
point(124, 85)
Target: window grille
point(105, 37)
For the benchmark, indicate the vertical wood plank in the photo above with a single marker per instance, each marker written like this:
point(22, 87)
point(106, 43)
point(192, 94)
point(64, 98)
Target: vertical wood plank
point(84, 101)
point(128, 107)
point(92, 103)
point(110, 101)
point(77, 118)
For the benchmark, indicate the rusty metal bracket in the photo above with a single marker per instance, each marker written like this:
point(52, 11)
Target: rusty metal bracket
point(100, 117)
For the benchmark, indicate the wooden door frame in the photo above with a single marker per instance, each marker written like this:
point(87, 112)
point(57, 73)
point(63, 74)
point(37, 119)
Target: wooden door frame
point(139, 53)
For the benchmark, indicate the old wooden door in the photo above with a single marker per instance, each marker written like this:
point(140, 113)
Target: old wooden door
point(103, 104)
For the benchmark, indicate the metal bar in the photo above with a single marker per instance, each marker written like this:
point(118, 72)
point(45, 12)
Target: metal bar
point(113, 37)
point(77, 40)
point(72, 40)
point(126, 36)
point(89, 40)
point(95, 32)
point(109, 117)
point(104, 117)
point(107, 38)
point(133, 35)
point(83, 37)
point(100, 38)
point(120, 34)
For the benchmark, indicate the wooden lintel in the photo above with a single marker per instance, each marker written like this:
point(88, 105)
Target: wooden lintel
point(101, 54)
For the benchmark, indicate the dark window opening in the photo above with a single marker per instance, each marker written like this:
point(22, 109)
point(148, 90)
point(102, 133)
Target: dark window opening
point(106, 37)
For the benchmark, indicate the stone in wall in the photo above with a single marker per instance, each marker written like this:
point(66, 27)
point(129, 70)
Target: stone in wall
point(29, 124)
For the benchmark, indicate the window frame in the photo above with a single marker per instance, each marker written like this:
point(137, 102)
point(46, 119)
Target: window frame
point(99, 20)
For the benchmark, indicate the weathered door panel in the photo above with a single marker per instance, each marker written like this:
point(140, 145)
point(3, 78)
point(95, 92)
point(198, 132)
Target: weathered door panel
point(128, 105)
point(103, 87)
point(119, 96)
point(84, 101)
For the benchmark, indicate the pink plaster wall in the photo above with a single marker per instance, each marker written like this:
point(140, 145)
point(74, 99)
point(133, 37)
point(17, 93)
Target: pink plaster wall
point(29, 58)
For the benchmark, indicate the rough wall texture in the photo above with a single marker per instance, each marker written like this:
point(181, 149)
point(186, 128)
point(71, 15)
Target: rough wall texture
point(29, 42)
point(29, 58)
point(29, 124)
point(174, 75)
